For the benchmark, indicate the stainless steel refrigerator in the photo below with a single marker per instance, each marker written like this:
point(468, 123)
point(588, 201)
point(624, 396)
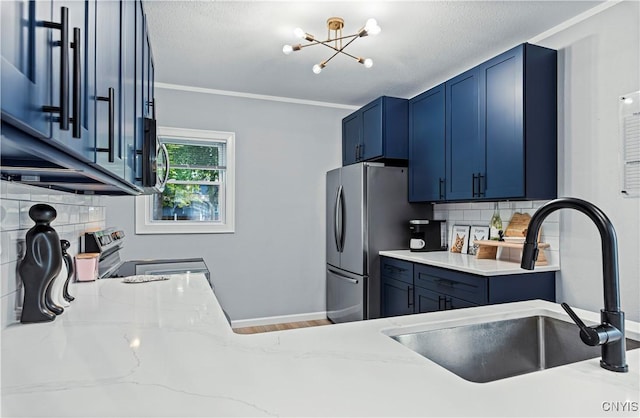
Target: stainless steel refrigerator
point(367, 211)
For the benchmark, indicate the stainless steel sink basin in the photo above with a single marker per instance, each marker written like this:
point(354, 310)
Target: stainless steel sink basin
point(495, 350)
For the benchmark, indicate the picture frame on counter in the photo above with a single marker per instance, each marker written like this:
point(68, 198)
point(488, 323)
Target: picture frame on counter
point(478, 233)
point(459, 239)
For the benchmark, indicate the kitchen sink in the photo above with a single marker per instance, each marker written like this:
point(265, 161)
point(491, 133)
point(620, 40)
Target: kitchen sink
point(496, 350)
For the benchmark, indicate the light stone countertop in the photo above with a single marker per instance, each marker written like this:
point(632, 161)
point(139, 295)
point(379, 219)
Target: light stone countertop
point(164, 348)
point(465, 262)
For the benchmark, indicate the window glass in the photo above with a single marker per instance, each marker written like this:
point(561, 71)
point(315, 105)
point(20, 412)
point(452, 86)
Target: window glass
point(198, 197)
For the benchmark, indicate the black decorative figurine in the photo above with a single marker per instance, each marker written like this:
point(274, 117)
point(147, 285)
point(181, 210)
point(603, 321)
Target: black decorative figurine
point(48, 299)
point(68, 261)
point(41, 264)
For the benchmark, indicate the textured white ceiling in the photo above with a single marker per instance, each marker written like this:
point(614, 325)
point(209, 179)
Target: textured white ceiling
point(237, 45)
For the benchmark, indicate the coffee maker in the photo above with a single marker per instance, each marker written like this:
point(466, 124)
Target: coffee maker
point(426, 235)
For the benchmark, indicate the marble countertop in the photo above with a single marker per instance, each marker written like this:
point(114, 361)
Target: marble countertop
point(165, 349)
point(465, 262)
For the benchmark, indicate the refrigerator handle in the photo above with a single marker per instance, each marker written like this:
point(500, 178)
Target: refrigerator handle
point(341, 276)
point(337, 220)
point(341, 198)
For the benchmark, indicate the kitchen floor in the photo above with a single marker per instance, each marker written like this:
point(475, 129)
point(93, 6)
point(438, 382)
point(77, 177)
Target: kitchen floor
point(281, 327)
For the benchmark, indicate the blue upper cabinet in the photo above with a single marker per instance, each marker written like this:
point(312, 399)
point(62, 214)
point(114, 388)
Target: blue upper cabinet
point(501, 122)
point(500, 131)
point(377, 131)
point(77, 79)
point(26, 65)
point(44, 71)
point(351, 138)
point(141, 40)
point(108, 99)
point(76, 135)
point(464, 144)
point(518, 119)
point(372, 134)
point(130, 17)
point(427, 146)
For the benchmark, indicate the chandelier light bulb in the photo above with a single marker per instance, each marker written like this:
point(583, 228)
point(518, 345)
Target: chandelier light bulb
point(368, 63)
point(317, 69)
point(299, 33)
point(287, 49)
point(372, 27)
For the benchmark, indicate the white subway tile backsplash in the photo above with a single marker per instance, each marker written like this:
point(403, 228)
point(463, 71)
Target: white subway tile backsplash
point(470, 215)
point(12, 245)
point(10, 281)
point(25, 220)
point(15, 191)
point(74, 214)
point(62, 217)
point(439, 214)
point(551, 229)
point(486, 215)
point(57, 197)
point(40, 195)
point(482, 205)
point(9, 215)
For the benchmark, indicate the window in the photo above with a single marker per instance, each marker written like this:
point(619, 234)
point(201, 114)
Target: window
point(199, 195)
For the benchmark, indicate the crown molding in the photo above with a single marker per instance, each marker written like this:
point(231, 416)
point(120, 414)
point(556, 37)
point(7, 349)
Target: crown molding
point(168, 86)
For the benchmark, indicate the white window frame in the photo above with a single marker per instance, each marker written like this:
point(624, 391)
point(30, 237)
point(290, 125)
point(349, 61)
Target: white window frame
point(144, 204)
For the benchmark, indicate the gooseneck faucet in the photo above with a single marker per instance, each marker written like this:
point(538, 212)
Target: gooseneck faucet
point(610, 333)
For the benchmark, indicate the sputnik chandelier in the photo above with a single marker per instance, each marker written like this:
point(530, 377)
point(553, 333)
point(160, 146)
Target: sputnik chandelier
point(334, 28)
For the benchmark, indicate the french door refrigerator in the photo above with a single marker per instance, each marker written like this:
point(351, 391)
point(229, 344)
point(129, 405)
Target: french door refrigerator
point(367, 211)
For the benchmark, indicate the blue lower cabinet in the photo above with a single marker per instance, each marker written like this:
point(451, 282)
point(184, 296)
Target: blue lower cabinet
point(438, 289)
point(397, 287)
point(428, 301)
point(397, 297)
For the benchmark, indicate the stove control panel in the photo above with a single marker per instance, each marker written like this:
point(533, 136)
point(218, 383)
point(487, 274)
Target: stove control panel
point(101, 241)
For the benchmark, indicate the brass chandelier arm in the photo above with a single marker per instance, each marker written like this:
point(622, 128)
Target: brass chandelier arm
point(339, 50)
point(326, 42)
point(331, 57)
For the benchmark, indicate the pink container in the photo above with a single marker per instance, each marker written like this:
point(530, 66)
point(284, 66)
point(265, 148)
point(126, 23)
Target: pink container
point(87, 266)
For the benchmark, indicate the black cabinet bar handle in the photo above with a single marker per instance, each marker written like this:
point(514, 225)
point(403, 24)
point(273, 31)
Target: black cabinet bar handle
point(439, 303)
point(111, 148)
point(449, 301)
point(445, 282)
point(441, 188)
point(63, 108)
point(473, 185)
point(409, 297)
point(77, 76)
point(480, 186)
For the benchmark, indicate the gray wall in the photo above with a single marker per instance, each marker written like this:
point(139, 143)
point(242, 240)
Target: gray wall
point(273, 264)
point(599, 60)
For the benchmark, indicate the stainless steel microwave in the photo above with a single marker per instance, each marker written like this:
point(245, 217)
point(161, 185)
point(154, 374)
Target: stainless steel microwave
point(155, 160)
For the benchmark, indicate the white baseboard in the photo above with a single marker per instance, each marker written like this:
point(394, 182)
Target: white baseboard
point(270, 320)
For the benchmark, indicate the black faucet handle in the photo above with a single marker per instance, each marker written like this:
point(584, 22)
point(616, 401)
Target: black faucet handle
point(595, 335)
